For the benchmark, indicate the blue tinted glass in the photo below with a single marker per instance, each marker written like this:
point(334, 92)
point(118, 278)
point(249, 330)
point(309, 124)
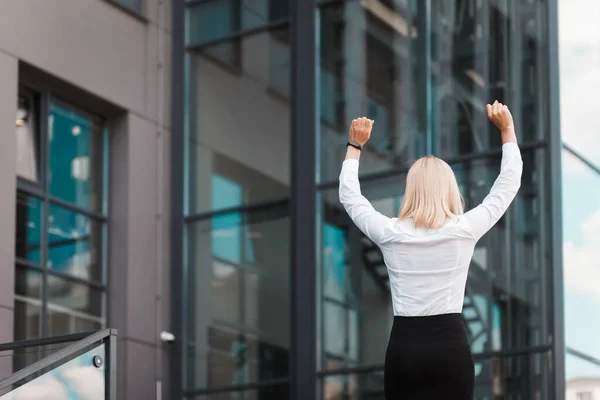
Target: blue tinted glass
point(74, 243)
point(334, 263)
point(27, 229)
point(75, 158)
point(227, 238)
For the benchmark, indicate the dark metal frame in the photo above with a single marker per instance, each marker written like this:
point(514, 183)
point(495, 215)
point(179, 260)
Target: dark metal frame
point(303, 360)
point(555, 176)
point(176, 364)
point(83, 342)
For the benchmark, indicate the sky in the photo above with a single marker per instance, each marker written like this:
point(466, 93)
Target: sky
point(579, 55)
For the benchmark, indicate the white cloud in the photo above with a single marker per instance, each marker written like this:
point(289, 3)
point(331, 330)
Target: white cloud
point(579, 40)
point(582, 261)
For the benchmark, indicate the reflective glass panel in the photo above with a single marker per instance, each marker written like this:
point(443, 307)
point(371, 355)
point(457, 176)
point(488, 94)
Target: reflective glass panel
point(579, 58)
point(481, 51)
point(371, 63)
point(76, 379)
point(73, 307)
point(208, 21)
point(28, 227)
point(75, 157)
point(517, 377)
point(274, 392)
point(238, 137)
point(133, 5)
point(353, 386)
point(74, 244)
point(581, 252)
point(506, 300)
point(238, 310)
point(27, 132)
point(28, 304)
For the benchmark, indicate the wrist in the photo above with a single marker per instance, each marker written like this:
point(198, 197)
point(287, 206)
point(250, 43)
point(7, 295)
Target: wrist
point(352, 153)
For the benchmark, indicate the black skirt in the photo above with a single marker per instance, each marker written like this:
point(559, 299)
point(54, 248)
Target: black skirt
point(429, 358)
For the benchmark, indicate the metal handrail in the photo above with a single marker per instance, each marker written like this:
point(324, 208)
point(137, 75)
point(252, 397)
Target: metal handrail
point(82, 342)
point(47, 341)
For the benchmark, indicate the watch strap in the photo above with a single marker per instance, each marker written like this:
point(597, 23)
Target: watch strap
point(354, 144)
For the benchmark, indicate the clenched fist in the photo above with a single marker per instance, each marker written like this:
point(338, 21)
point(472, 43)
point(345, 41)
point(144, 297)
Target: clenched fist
point(499, 114)
point(360, 130)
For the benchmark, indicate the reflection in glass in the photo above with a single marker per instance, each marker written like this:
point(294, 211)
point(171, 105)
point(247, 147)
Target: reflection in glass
point(581, 252)
point(506, 301)
point(73, 307)
point(353, 386)
point(524, 377)
point(133, 5)
point(278, 392)
point(74, 244)
point(370, 63)
point(239, 268)
point(75, 157)
point(28, 304)
point(239, 149)
point(76, 379)
point(213, 20)
point(27, 135)
point(482, 51)
point(28, 226)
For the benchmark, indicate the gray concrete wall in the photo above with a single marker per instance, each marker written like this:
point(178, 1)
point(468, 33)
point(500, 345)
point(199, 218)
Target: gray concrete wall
point(115, 57)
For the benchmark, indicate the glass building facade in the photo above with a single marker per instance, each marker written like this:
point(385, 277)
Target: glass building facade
point(257, 74)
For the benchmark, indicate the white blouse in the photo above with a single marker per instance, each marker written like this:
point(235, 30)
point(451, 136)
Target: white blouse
point(428, 268)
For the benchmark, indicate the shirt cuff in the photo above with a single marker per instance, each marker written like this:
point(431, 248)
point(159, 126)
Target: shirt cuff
point(350, 164)
point(511, 150)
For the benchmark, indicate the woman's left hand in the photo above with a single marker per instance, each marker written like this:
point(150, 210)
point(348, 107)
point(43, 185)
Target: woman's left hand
point(360, 130)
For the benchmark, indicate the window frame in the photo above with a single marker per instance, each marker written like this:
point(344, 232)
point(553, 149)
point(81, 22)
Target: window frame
point(42, 97)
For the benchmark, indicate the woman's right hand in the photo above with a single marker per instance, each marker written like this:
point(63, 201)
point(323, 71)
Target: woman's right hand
point(500, 115)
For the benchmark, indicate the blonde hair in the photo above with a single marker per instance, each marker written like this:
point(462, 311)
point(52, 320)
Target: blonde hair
point(432, 196)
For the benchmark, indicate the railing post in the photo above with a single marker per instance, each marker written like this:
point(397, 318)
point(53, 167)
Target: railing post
point(111, 368)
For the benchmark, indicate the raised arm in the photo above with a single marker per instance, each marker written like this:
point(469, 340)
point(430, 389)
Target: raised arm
point(483, 217)
point(360, 210)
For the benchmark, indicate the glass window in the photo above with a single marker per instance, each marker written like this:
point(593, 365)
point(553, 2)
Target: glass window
point(74, 242)
point(27, 138)
point(239, 149)
point(369, 63)
point(482, 51)
point(506, 294)
point(28, 304)
point(581, 251)
point(60, 280)
point(133, 5)
point(516, 377)
point(238, 328)
point(75, 157)
point(28, 227)
point(279, 392)
point(218, 19)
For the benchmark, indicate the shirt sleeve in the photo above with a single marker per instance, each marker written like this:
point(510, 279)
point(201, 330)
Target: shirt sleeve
point(360, 210)
point(483, 217)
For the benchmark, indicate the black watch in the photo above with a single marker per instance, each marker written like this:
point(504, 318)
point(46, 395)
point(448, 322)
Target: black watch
point(354, 144)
